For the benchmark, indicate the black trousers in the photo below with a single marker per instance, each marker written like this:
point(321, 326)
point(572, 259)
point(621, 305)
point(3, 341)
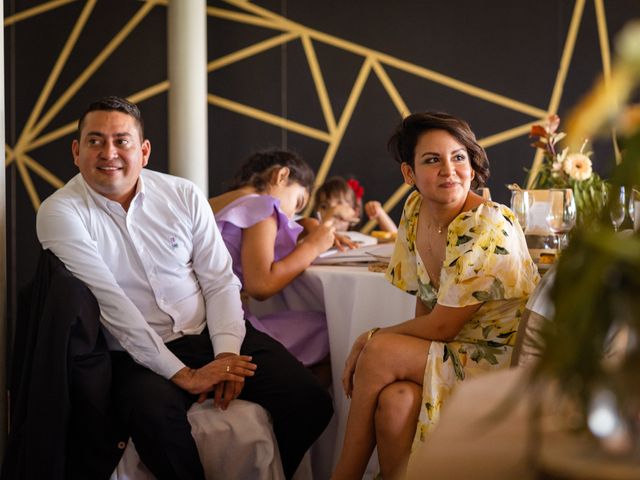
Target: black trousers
point(155, 409)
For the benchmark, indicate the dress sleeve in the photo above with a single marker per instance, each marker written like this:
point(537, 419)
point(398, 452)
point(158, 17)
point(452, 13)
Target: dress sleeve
point(486, 259)
point(402, 271)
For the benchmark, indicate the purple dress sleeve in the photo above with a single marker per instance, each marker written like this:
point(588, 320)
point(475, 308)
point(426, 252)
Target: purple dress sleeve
point(245, 212)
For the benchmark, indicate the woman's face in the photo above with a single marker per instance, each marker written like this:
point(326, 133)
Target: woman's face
point(293, 197)
point(442, 170)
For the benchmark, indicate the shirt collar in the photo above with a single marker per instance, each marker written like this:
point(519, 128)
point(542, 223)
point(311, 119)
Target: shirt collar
point(104, 202)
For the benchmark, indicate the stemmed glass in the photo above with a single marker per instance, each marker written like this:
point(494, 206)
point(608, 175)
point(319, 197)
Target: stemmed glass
point(617, 206)
point(562, 213)
point(520, 207)
point(634, 208)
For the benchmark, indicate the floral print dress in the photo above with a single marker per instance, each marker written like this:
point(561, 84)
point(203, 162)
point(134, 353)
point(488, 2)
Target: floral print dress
point(486, 261)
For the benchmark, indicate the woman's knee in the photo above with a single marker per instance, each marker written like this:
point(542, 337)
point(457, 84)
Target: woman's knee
point(398, 402)
point(377, 359)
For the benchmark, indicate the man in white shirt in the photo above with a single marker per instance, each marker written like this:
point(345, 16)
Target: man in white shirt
point(147, 246)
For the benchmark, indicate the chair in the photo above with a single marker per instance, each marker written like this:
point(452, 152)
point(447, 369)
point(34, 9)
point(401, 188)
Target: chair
point(538, 310)
point(236, 443)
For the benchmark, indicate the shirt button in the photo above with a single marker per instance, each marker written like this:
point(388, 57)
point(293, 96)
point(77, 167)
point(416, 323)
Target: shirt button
point(122, 445)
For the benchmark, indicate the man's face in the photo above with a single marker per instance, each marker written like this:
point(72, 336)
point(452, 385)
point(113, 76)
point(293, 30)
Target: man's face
point(110, 154)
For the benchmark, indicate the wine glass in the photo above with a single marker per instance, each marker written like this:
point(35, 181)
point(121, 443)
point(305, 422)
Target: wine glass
point(520, 207)
point(617, 204)
point(634, 208)
point(561, 217)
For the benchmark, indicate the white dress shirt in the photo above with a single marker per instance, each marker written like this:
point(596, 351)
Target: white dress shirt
point(159, 270)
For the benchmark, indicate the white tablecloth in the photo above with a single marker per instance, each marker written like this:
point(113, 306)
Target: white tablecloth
point(354, 300)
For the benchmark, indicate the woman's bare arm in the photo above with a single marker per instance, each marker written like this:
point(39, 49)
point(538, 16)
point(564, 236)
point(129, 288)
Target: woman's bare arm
point(441, 324)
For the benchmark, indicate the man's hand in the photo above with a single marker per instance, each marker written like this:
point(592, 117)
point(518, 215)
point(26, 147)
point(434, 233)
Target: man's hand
point(229, 368)
point(226, 391)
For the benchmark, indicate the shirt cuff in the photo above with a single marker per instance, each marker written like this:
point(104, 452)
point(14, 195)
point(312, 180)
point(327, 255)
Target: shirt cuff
point(167, 365)
point(226, 343)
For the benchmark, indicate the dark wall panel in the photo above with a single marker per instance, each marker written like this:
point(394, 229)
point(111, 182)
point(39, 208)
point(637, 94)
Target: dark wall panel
point(508, 48)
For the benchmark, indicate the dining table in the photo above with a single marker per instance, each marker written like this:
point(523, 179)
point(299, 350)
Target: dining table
point(354, 300)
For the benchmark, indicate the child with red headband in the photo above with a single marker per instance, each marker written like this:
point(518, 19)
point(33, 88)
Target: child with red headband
point(341, 200)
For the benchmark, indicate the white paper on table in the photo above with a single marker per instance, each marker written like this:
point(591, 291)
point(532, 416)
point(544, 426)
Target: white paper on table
point(366, 254)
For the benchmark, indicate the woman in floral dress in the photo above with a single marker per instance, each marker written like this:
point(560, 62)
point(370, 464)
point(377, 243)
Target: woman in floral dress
point(466, 261)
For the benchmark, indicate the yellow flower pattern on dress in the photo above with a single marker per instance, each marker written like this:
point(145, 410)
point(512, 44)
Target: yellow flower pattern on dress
point(486, 261)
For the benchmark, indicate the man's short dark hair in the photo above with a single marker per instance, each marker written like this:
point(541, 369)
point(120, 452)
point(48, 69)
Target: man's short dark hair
point(114, 104)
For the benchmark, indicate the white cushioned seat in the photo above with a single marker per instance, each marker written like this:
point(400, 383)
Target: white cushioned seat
point(234, 444)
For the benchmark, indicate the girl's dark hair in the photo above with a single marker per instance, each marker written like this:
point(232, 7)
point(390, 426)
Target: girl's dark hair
point(256, 170)
point(402, 143)
point(335, 187)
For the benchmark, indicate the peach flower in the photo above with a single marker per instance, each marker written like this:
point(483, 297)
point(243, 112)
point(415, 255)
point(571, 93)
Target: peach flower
point(577, 166)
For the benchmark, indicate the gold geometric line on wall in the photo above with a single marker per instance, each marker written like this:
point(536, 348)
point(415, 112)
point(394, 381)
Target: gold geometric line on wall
point(267, 117)
point(42, 171)
point(379, 57)
point(250, 51)
point(261, 17)
point(93, 66)
point(507, 135)
point(32, 12)
point(318, 80)
point(336, 137)
point(27, 182)
point(604, 39)
point(390, 204)
point(161, 87)
point(463, 87)
point(556, 94)
point(55, 72)
point(51, 136)
point(72, 126)
point(383, 58)
point(605, 53)
point(9, 155)
point(567, 56)
point(241, 18)
point(8, 151)
point(391, 89)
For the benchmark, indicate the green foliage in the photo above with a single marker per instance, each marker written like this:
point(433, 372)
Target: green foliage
point(596, 290)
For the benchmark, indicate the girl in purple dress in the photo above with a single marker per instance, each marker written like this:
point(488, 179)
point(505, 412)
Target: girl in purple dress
point(255, 219)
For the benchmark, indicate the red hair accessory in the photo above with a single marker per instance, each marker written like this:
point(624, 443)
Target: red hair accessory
point(358, 189)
